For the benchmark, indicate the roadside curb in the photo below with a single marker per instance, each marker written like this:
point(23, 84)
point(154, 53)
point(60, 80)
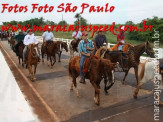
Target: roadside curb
point(47, 107)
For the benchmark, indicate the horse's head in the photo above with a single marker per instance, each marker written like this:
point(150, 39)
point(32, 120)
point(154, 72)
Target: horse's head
point(33, 49)
point(107, 69)
point(149, 49)
point(65, 46)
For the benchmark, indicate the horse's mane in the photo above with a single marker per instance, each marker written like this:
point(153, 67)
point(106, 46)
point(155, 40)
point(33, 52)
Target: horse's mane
point(98, 52)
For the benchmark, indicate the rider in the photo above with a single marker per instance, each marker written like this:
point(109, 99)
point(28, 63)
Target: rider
point(100, 39)
point(121, 39)
point(12, 34)
point(19, 38)
point(47, 37)
point(76, 35)
point(29, 39)
point(85, 47)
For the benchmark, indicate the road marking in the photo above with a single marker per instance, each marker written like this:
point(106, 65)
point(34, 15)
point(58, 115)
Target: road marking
point(122, 113)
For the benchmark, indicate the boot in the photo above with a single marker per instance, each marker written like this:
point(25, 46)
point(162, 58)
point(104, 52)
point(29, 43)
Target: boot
point(82, 80)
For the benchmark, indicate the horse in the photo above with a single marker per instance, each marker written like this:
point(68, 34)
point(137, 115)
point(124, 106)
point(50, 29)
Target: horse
point(61, 45)
point(147, 73)
point(32, 59)
point(133, 57)
point(95, 69)
point(4, 35)
point(20, 53)
point(12, 42)
point(74, 47)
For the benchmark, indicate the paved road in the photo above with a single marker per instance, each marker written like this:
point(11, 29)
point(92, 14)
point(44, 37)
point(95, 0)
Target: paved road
point(53, 86)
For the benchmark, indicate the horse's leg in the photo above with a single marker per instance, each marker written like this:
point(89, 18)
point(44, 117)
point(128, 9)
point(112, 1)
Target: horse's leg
point(75, 85)
point(42, 57)
point(34, 73)
point(30, 71)
point(71, 86)
point(51, 61)
point(59, 56)
point(126, 73)
point(136, 74)
point(48, 60)
point(105, 88)
point(97, 93)
point(19, 59)
point(22, 62)
point(137, 90)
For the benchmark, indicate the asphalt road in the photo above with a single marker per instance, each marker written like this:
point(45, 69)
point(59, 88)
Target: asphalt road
point(53, 86)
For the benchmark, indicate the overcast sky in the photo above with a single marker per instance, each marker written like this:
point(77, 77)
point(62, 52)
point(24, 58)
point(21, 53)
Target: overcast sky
point(125, 10)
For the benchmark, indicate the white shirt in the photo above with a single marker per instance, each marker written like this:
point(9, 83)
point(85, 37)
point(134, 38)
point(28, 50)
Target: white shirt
point(79, 34)
point(30, 39)
point(47, 35)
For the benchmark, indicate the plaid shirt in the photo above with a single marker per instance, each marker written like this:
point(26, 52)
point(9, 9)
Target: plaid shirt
point(83, 46)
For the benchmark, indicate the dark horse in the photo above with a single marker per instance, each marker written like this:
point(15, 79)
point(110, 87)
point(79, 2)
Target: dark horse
point(133, 55)
point(74, 47)
point(60, 46)
point(97, 70)
point(4, 35)
point(20, 53)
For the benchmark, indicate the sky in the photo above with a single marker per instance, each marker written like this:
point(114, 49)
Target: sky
point(125, 10)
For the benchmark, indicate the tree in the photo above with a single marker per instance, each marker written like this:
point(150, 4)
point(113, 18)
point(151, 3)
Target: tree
point(62, 23)
point(77, 16)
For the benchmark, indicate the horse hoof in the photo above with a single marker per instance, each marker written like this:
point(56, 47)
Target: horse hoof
point(123, 83)
point(34, 79)
point(135, 97)
point(71, 90)
point(106, 93)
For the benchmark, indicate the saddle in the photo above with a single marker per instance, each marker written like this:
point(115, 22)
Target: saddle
point(125, 47)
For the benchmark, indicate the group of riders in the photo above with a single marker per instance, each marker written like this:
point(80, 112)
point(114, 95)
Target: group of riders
point(80, 39)
point(87, 46)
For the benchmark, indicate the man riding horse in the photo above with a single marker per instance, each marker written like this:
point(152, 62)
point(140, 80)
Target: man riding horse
point(76, 35)
point(19, 38)
point(29, 39)
point(100, 39)
point(47, 37)
point(85, 47)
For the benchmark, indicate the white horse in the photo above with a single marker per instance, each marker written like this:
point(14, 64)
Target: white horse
point(147, 72)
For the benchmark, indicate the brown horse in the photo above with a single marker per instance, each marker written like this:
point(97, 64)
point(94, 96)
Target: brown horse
point(4, 36)
point(12, 42)
point(61, 45)
point(133, 57)
point(74, 47)
point(97, 69)
point(32, 59)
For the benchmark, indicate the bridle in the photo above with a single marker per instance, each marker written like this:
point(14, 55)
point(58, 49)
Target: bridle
point(32, 53)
